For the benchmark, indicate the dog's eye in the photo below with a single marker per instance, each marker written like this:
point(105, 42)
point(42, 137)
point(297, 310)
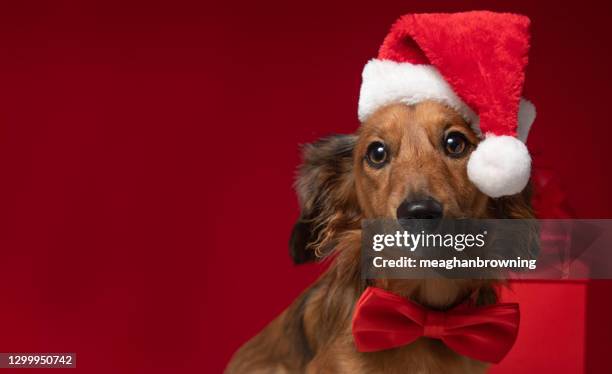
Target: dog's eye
point(377, 155)
point(455, 144)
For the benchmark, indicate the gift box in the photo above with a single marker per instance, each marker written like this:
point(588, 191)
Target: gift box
point(552, 335)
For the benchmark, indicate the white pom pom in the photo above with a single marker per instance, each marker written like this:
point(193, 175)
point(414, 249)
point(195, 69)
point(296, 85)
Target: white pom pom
point(500, 166)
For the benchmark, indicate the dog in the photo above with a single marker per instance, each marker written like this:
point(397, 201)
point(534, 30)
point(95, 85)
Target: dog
point(405, 161)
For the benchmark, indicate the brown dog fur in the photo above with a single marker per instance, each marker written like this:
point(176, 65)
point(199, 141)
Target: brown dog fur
point(337, 189)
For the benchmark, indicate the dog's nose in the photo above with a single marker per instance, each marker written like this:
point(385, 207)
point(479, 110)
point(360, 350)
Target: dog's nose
point(419, 209)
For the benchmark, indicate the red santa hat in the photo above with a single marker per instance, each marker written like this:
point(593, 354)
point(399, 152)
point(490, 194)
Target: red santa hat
point(473, 62)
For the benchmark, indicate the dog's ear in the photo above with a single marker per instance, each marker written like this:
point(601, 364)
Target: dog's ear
point(325, 189)
point(516, 206)
point(526, 243)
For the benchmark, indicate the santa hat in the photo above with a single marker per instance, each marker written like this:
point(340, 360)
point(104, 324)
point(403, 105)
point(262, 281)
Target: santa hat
point(473, 62)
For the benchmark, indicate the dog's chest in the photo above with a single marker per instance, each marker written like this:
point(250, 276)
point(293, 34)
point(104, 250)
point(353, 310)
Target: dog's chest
point(425, 356)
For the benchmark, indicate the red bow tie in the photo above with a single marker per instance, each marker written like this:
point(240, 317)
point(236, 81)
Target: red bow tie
point(383, 320)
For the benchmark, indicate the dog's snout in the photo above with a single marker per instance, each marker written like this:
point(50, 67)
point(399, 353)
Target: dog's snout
point(420, 209)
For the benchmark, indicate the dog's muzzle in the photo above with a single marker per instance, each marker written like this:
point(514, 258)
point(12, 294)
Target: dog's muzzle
point(420, 209)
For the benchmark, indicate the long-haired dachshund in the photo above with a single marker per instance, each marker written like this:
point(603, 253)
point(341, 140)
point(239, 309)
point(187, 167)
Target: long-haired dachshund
point(406, 161)
point(421, 152)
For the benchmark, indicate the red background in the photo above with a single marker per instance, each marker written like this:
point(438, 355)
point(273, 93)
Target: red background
point(147, 152)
